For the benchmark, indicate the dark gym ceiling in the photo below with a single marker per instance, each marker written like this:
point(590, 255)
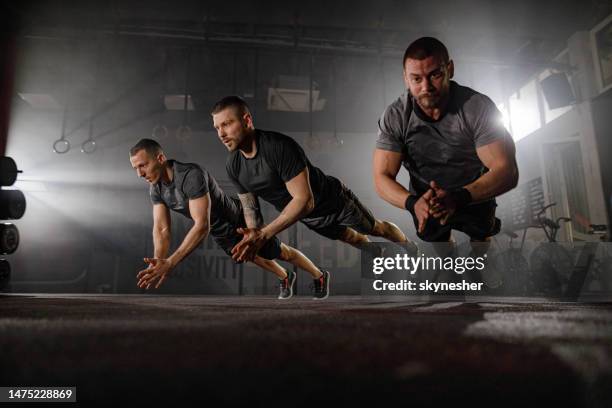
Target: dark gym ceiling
point(136, 42)
point(507, 32)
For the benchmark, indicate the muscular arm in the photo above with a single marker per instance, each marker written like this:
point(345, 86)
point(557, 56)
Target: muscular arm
point(161, 230)
point(499, 158)
point(250, 207)
point(301, 204)
point(199, 209)
point(386, 165)
point(160, 266)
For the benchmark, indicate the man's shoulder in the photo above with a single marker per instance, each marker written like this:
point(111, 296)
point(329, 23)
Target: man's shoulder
point(468, 98)
point(181, 167)
point(401, 105)
point(188, 171)
point(273, 143)
point(395, 118)
point(462, 90)
point(267, 137)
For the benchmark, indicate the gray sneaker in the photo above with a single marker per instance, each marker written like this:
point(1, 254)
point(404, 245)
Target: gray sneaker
point(320, 287)
point(287, 285)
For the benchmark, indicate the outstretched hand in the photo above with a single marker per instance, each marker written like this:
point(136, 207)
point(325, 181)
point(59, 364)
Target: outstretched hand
point(252, 241)
point(158, 270)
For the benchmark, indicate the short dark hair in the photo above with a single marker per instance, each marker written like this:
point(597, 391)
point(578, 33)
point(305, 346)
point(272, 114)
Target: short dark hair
point(233, 101)
point(426, 47)
point(151, 146)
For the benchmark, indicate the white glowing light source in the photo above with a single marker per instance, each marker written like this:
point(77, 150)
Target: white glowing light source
point(524, 111)
point(505, 116)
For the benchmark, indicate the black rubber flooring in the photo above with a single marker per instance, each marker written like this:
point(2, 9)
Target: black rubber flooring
point(256, 351)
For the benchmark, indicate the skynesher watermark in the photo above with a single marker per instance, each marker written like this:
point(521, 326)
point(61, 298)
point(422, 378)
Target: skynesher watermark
point(404, 263)
point(406, 285)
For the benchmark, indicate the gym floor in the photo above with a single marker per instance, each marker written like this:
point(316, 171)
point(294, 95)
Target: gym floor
point(349, 350)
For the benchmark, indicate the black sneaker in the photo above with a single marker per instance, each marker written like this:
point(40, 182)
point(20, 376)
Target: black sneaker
point(320, 288)
point(287, 285)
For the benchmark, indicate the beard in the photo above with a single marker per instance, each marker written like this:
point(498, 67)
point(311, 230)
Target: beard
point(429, 101)
point(231, 146)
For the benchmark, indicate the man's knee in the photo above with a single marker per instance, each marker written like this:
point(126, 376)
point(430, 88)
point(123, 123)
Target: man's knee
point(286, 253)
point(379, 228)
point(384, 228)
point(350, 236)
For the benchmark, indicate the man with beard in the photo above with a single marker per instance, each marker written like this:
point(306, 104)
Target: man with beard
point(451, 140)
point(274, 167)
point(191, 191)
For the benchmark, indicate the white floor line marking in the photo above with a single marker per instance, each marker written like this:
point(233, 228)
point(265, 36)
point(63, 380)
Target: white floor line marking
point(438, 306)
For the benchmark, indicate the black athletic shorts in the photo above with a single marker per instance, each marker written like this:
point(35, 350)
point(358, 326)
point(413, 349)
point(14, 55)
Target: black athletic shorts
point(352, 214)
point(226, 236)
point(478, 221)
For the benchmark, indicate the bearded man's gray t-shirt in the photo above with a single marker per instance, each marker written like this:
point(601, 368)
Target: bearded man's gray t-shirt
point(443, 150)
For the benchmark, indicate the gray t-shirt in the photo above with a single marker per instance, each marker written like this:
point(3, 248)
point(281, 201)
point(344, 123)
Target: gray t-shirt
point(189, 182)
point(442, 150)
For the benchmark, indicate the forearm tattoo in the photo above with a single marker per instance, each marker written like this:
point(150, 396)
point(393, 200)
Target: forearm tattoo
point(252, 213)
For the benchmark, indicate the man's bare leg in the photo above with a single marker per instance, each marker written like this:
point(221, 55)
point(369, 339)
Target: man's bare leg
point(271, 266)
point(383, 229)
point(361, 242)
point(389, 231)
point(286, 282)
point(354, 238)
point(297, 258)
point(320, 277)
point(291, 255)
